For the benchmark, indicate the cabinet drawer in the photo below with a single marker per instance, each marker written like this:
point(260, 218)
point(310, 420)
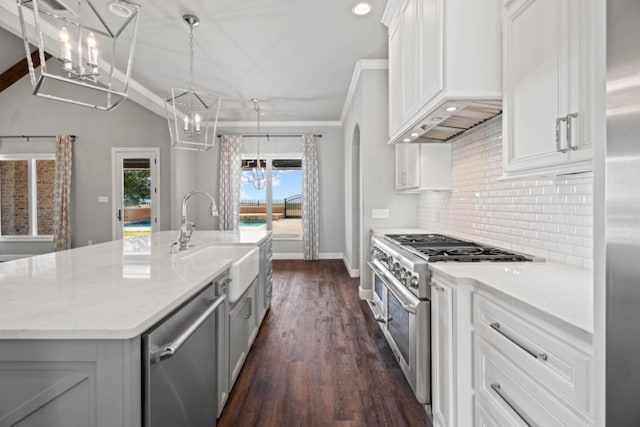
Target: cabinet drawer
point(511, 397)
point(555, 364)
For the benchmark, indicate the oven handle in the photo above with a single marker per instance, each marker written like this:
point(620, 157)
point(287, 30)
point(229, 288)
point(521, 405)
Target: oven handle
point(406, 298)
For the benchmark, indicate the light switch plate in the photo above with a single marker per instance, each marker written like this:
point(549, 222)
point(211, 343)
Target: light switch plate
point(103, 199)
point(379, 213)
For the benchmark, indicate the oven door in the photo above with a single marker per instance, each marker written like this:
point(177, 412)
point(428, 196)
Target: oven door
point(407, 328)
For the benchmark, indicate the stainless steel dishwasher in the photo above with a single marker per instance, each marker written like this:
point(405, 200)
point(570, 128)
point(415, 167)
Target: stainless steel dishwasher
point(181, 362)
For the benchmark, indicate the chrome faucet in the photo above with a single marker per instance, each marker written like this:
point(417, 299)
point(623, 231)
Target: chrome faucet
point(187, 227)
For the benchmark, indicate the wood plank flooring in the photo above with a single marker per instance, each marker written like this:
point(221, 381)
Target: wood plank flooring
point(320, 358)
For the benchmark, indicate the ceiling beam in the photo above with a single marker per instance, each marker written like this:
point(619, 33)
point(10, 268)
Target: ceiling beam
point(19, 70)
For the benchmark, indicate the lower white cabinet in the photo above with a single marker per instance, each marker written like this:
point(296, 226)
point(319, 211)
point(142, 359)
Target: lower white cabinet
point(451, 337)
point(527, 371)
point(243, 328)
point(442, 355)
point(423, 167)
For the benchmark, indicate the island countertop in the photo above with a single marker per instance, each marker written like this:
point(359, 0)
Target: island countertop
point(114, 290)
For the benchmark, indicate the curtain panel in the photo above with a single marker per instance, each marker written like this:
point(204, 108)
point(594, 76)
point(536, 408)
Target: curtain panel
point(310, 198)
point(62, 194)
point(230, 164)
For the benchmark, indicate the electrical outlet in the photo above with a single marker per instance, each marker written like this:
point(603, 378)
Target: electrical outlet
point(379, 213)
point(103, 199)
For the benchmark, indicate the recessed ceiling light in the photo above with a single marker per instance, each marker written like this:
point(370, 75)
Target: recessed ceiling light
point(362, 8)
point(406, 140)
point(451, 109)
point(415, 134)
point(436, 119)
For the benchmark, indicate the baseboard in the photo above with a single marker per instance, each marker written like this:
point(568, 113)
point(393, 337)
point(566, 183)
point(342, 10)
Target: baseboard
point(365, 294)
point(300, 255)
point(353, 272)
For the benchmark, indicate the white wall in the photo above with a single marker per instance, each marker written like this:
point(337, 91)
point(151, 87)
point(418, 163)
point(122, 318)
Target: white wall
point(369, 111)
point(331, 170)
point(129, 125)
point(549, 217)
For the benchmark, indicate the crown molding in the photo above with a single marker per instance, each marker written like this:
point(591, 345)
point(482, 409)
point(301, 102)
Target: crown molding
point(291, 124)
point(363, 64)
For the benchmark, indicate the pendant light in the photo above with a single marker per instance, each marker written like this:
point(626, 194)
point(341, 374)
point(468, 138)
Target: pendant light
point(192, 115)
point(257, 176)
point(93, 43)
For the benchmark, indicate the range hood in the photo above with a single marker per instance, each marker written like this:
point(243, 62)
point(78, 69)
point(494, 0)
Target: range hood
point(450, 119)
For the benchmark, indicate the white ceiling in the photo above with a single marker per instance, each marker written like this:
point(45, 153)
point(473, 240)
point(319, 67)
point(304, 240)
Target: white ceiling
point(296, 56)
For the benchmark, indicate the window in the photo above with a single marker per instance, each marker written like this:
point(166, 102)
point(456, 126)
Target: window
point(278, 206)
point(26, 196)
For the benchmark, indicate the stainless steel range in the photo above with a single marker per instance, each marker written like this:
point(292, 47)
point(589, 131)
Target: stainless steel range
point(402, 293)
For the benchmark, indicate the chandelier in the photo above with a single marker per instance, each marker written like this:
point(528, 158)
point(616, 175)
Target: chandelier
point(257, 176)
point(192, 115)
point(93, 42)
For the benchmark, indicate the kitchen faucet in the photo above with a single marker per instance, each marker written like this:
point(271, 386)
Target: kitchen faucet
point(187, 227)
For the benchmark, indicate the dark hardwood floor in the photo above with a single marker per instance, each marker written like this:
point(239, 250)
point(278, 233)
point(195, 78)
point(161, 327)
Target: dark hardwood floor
point(320, 359)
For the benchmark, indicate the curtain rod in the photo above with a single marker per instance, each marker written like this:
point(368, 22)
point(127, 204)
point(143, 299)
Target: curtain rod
point(275, 135)
point(29, 137)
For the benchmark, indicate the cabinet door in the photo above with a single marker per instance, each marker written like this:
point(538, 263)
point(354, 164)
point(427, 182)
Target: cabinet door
point(407, 166)
point(409, 57)
point(442, 355)
point(547, 85)
point(431, 66)
point(239, 333)
point(533, 52)
point(395, 79)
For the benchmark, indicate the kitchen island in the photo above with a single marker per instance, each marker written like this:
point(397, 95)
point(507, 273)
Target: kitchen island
point(71, 324)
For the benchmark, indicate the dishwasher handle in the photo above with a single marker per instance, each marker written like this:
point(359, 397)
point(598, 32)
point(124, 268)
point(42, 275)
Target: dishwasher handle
point(169, 350)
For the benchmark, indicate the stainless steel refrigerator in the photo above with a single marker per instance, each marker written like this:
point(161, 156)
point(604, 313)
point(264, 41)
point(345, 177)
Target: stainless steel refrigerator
point(622, 232)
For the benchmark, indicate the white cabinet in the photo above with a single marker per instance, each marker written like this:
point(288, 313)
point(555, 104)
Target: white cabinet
point(547, 87)
point(442, 355)
point(527, 370)
point(243, 328)
point(451, 348)
point(440, 52)
point(423, 167)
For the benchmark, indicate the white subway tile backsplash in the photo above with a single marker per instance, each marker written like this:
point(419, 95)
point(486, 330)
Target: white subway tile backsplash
point(550, 217)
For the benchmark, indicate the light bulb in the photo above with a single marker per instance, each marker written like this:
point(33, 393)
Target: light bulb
point(65, 48)
point(92, 51)
point(64, 35)
point(196, 120)
point(186, 124)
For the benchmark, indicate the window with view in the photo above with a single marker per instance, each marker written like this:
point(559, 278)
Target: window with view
point(26, 196)
point(281, 197)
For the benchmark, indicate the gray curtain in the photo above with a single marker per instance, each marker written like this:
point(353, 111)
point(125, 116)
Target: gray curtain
point(62, 194)
point(310, 198)
point(230, 150)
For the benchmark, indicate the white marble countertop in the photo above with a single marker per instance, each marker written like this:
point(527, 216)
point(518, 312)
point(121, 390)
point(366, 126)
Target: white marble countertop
point(559, 293)
point(114, 290)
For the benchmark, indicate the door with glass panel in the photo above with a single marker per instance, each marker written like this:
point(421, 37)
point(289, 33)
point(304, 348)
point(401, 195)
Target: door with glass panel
point(136, 194)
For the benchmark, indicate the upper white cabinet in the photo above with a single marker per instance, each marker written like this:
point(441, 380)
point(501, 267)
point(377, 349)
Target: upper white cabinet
point(547, 87)
point(423, 167)
point(442, 54)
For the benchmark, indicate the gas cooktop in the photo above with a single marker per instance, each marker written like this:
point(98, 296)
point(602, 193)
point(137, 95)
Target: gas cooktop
point(438, 247)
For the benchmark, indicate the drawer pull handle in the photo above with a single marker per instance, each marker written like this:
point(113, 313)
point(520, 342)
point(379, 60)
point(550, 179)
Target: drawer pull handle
point(498, 390)
point(537, 355)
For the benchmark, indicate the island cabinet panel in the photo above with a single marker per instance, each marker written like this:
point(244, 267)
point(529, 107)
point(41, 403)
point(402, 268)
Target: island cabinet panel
point(243, 328)
point(264, 279)
point(70, 383)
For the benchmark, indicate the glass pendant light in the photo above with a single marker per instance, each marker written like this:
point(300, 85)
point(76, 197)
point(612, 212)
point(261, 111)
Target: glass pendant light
point(257, 176)
point(93, 42)
point(192, 114)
